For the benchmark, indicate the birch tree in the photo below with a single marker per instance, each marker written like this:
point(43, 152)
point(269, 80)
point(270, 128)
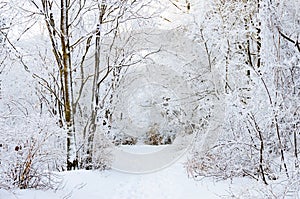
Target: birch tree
point(84, 34)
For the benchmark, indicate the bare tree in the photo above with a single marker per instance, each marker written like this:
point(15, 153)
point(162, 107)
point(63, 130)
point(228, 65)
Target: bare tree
point(251, 54)
point(72, 31)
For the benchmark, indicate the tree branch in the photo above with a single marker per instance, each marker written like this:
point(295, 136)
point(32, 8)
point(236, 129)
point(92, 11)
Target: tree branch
point(296, 42)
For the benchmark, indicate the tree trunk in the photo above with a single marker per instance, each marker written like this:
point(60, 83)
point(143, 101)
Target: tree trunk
point(95, 92)
point(67, 87)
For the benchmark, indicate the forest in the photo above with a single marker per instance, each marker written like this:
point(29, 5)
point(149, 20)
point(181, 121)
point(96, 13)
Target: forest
point(136, 86)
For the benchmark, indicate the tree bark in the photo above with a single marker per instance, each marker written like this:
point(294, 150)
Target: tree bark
point(67, 87)
point(95, 91)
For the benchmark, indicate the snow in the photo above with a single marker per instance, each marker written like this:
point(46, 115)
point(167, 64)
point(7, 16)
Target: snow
point(170, 72)
point(145, 149)
point(169, 183)
point(172, 182)
point(146, 159)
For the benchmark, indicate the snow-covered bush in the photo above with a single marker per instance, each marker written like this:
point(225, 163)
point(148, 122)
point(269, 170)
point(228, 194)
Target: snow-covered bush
point(260, 67)
point(102, 152)
point(31, 147)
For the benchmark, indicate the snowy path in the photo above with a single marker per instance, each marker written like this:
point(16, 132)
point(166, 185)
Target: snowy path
point(170, 183)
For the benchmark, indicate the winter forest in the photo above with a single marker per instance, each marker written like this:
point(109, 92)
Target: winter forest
point(149, 99)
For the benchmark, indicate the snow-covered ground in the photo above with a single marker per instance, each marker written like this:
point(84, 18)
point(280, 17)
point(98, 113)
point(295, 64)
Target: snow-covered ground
point(170, 183)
